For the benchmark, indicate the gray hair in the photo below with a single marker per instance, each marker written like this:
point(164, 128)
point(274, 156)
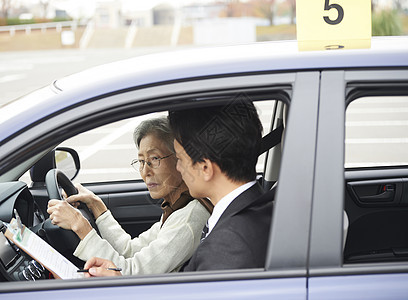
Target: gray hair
point(159, 127)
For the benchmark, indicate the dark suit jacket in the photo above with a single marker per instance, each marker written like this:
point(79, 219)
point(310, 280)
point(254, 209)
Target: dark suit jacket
point(240, 237)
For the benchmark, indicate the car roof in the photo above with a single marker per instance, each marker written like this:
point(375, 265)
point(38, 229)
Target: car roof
point(235, 59)
point(203, 62)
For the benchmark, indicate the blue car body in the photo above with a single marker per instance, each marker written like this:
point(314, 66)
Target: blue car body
point(305, 257)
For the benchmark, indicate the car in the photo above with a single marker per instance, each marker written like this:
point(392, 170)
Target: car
point(338, 169)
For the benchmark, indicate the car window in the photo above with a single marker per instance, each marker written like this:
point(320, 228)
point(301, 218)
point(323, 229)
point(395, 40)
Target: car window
point(106, 152)
point(376, 160)
point(376, 132)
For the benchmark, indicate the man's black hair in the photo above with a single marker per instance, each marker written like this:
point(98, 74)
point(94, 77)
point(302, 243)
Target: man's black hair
point(228, 135)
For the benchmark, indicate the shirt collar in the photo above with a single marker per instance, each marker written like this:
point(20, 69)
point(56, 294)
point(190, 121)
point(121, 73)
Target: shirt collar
point(225, 201)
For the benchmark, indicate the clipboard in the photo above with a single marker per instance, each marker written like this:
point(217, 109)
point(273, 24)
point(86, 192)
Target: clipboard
point(42, 252)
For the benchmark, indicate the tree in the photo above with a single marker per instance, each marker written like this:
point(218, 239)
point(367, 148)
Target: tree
point(253, 8)
point(386, 22)
point(373, 5)
point(44, 7)
point(236, 9)
point(5, 8)
point(292, 4)
point(399, 5)
point(265, 9)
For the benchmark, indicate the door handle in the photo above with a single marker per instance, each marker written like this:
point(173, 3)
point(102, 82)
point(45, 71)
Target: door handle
point(386, 196)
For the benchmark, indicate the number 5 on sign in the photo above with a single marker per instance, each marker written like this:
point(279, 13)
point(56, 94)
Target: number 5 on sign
point(333, 24)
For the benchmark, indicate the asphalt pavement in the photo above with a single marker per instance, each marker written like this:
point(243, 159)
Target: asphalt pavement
point(24, 71)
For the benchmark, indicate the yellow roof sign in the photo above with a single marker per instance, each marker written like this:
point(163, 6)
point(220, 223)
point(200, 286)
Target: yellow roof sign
point(333, 24)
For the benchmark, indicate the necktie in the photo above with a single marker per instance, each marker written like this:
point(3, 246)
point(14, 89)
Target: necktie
point(204, 232)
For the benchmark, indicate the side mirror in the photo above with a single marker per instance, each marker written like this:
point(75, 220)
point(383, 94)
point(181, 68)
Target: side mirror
point(67, 160)
point(63, 158)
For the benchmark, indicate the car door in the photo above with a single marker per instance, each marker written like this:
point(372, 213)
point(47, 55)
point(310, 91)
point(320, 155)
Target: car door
point(359, 218)
point(284, 275)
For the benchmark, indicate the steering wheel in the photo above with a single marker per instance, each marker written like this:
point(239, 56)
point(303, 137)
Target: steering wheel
point(65, 241)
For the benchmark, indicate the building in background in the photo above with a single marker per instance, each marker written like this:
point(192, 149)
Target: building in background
point(136, 23)
point(108, 14)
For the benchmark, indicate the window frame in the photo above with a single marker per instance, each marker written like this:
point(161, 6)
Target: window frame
point(338, 89)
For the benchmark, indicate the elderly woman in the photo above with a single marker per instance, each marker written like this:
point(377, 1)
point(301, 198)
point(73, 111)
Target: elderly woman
point(168, 243)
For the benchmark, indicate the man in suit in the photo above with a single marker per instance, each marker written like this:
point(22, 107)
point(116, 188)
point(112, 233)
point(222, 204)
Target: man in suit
point(217, 149)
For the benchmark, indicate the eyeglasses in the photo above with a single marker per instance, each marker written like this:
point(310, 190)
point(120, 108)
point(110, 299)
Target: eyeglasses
point(154, 162)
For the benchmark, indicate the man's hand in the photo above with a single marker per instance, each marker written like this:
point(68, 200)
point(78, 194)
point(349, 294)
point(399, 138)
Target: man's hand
point(68, 217)
point(98, 267)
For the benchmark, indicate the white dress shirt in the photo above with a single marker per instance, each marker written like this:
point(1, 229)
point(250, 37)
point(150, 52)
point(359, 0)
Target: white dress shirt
point(225, 201)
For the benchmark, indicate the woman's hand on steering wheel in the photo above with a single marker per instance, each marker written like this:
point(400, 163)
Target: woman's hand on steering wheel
point(94, 203)
point(65, 241)
point(68, 217)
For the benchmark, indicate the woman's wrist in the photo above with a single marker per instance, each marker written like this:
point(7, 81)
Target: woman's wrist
point(82, 228)
point(97, 207)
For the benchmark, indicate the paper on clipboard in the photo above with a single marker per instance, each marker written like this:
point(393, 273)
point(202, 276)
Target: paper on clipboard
point(42, 252)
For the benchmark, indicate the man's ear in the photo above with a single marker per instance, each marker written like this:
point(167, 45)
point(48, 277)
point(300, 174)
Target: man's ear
point(207, 169)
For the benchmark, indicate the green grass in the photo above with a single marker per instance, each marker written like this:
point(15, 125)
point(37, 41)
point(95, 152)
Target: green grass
point(17, 21)
point(387, 22)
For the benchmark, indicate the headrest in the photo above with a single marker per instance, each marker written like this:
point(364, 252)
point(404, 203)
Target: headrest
point(40, 169)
